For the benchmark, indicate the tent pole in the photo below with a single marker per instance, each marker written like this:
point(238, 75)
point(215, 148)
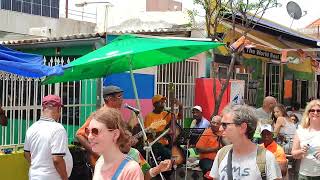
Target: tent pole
point(148, 147)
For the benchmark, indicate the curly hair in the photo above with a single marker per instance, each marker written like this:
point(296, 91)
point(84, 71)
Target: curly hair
point(113, 119)
point(305, 123)
point(243, 114)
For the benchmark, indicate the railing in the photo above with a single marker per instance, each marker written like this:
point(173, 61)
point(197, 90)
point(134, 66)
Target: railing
point(21, 99)
point(83, 16)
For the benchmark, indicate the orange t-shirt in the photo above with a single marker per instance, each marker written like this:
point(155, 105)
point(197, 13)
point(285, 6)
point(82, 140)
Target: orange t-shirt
point(81, 132)
point(157, 121)
point(277, 151)
point(208, 139)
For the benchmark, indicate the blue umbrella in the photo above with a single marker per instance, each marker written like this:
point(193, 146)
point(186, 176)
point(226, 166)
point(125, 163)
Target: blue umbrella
point(24, 64)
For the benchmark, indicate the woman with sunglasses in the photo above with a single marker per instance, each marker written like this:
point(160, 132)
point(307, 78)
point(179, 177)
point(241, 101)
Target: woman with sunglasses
point(306, 143)
point(284, 129)
point(107, 135)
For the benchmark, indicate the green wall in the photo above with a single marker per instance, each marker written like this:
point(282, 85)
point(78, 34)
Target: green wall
point(257, 74)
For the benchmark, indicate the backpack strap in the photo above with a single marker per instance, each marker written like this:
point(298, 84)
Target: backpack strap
point(121, 166)
point(261, 161)
point(223, 152)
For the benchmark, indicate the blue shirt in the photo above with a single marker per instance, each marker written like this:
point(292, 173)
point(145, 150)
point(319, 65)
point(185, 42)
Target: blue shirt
point(204, 123)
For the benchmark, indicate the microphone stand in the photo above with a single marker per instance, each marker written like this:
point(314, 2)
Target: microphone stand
point(148, 146)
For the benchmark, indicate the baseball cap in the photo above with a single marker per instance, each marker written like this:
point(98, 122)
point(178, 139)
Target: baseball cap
point(52, 100)
point(158, 98)
point(199, 108)
point(267, 127)
point(107, 90)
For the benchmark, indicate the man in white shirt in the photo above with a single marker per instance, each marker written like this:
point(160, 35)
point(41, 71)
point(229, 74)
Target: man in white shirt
point(199, 121)
point(264, 113)
point(242, 160)
point(46, 144)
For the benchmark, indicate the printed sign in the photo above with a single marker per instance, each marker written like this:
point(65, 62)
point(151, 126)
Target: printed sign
point(262, 53)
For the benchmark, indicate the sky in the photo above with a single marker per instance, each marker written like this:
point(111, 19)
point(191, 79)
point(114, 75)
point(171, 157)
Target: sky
point(126, 9)
point(280, 15)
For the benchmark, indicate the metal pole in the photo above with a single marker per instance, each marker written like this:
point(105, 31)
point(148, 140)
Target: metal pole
point(106, 19)
point(140, 119)
point(67, 8)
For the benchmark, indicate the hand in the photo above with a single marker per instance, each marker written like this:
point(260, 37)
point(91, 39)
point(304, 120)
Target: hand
point(317, 154)
point(165, 165)
point(305, 149)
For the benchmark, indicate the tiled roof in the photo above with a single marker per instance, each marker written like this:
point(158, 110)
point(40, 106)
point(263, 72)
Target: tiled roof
point(315, 23)
point(91, 35)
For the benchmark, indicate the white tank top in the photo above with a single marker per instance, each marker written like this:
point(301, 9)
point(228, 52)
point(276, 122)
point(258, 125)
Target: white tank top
point(310, 166)
point(288, 130)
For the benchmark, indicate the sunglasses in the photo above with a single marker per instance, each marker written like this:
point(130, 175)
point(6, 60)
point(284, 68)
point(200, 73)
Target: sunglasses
point(94, 131)
point(225, 125)
point(314, 110)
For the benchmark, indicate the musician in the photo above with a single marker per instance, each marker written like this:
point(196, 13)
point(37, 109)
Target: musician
point(157, 121)
point(113, 97)
point(198, 120)
point(209, 144)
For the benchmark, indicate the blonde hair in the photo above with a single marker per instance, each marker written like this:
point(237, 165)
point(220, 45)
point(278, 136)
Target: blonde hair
point(112, 119)
point(305, 123)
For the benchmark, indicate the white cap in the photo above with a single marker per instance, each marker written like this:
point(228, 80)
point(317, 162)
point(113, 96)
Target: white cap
point(198, 108)
point(266, 127)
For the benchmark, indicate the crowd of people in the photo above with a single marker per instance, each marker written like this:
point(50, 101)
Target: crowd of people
point(240, 143)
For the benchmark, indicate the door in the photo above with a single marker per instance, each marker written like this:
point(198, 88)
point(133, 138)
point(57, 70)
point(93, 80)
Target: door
point(272, 81)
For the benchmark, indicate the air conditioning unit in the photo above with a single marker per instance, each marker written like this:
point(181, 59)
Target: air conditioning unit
point(40, 31)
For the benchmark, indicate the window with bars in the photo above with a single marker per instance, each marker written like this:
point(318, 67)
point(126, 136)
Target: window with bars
point(48, 8)
point(182, 75)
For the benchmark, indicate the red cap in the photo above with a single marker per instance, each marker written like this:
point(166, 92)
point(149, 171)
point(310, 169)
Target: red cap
point(52, 100)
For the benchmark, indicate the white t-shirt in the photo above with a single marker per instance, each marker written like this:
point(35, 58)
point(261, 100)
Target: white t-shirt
point(263, 117)
point(44, 139)
point(246, 168)
point(310, 166)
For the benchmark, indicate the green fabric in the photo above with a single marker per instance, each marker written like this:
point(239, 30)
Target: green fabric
point(135, 155)
point(193, 153)
point(141, 51)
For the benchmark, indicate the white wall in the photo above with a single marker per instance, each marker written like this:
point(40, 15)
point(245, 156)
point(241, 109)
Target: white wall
point(122, 10)
point(22, 23)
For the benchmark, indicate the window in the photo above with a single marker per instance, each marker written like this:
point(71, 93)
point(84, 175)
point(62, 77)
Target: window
point(245, 77)
point(48, 8)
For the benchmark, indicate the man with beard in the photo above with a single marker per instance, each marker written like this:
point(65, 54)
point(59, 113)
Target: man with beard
point(157, 121)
